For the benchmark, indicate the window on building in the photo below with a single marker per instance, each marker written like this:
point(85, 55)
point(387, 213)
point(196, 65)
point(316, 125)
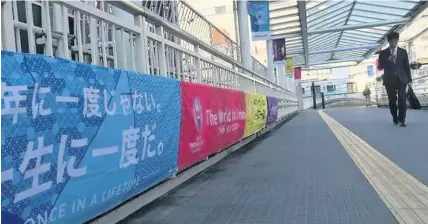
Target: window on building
point(331, 88)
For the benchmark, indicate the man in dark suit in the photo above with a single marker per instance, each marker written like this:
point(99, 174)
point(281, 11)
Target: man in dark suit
point(396, 77)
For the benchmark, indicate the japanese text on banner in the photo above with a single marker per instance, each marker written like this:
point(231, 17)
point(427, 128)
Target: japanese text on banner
point(256, 113)
point(67, 124)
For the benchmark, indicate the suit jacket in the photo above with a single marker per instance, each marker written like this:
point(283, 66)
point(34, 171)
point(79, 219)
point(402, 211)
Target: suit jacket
point(400, 69)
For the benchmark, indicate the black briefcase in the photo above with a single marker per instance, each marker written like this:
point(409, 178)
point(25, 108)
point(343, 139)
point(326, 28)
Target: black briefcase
point(413, 100)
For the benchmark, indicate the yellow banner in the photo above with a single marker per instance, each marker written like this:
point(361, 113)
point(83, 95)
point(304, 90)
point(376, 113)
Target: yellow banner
point(256, 113)
point(289, 67)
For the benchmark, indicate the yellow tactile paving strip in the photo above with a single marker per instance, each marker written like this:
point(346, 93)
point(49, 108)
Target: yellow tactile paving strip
point(405, 196)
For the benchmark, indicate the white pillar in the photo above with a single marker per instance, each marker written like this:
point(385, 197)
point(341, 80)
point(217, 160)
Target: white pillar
point(299, 94)
point(8, 31)
point(244, 34)
point(269, 47)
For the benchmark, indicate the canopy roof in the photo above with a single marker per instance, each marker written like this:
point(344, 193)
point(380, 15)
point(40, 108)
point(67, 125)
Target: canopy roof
point(323, 32)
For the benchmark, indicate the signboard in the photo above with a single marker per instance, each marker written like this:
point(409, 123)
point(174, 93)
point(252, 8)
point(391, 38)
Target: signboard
point(298, 73)
point(370, 71)
point(272, 106)
point(279, 51)
point(212, 119)
point(259, 19)
point(78, 139)
point(289, 67)
point(256, 113)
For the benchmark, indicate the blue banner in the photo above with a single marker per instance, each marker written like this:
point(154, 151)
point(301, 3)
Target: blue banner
point(259, 19)
point(78, 139)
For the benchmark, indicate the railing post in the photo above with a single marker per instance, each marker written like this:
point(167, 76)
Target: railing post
point(65, 30)
point(161, 51)
point(322, 100)
point(254, 86)
point(30, 25)
point(198, 63)
point(93, 32)
point(47, 26)
point(142, 51)
point(8, 30)
point(314, 96)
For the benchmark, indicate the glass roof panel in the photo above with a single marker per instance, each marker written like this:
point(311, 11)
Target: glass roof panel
point(349, 54)
point(284, 19)
point(373, 17)
point(348, 42)
point(333, 14)
point(325, 10)
point(405, 5)
point(285, 25)
point(370, 10)
point(311, 4)
point(331, 23)
point(282, 4)
point(358, 33)
point(382, 9)
point(361, 38)
point(319, 57)
point(287, 11)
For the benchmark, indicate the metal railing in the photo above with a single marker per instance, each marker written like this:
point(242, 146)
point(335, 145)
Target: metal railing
point(191, 21)
point(420, 87)
point(323, 100)
point(150, 38)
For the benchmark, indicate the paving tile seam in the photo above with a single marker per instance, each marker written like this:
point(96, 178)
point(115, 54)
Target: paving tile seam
point(406, 206)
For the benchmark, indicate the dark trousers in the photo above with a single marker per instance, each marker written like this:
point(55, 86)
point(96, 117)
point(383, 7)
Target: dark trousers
point(393, 88)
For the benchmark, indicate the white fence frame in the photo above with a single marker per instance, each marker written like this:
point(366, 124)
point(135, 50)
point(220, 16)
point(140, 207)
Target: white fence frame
point(119, 43)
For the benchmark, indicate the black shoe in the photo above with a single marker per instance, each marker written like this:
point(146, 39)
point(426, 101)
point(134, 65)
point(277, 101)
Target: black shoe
point(395, 120)
point(403, 124)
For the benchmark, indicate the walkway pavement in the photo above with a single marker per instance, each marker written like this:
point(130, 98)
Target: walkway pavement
point(312, 170)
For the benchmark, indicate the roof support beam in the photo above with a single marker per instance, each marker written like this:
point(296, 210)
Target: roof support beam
point(301, 5)
point(413, 14)
point(360, 26)
point(338, 61)
point(346, 23)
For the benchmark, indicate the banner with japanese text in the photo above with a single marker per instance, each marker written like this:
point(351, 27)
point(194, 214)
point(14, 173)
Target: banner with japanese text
point(289, 67)
point(259, 20)
point(256, 113)
point(212, 119)
point(272, 109)
point(78, 139)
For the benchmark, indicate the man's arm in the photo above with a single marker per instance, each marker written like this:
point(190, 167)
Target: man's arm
point(380, 59)
point(406, 66)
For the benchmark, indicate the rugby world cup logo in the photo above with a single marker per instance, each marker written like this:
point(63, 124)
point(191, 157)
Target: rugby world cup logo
point(197, 114)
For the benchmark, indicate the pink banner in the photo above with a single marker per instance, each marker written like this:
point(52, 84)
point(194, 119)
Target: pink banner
point(212, 119)
point(298, 73)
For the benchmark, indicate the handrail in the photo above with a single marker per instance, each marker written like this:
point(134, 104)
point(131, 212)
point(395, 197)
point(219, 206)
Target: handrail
point(158, 20)
point(420, 77)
